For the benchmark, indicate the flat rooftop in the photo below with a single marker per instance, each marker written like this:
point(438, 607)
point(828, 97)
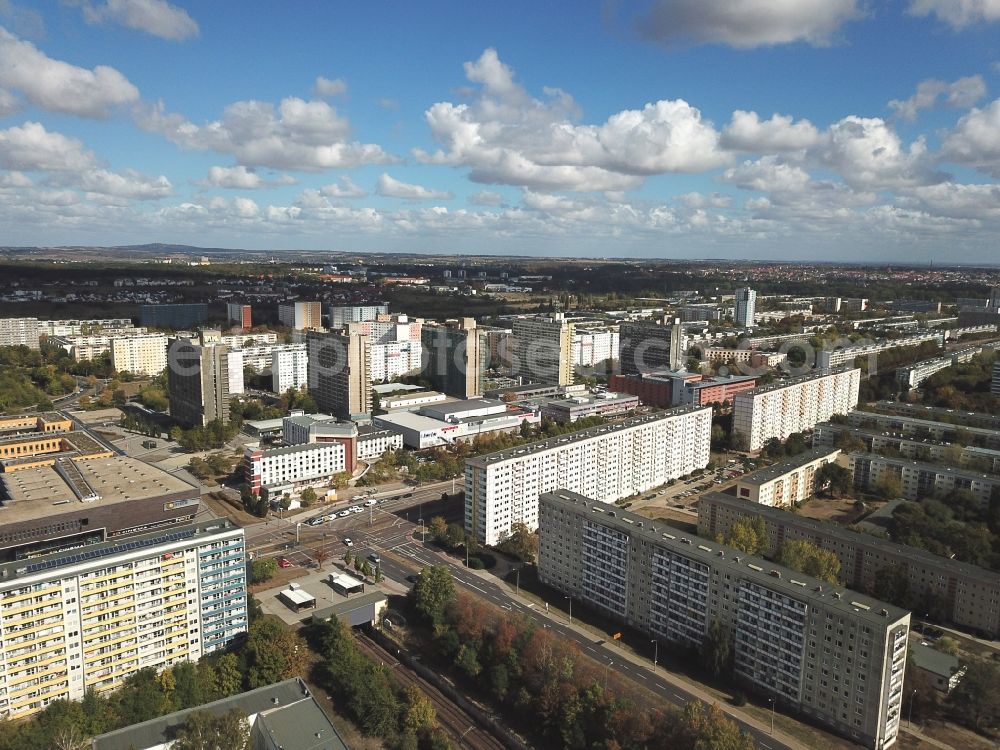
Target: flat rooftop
point(410, 421)
point(770, 473)
point(777, 385)
point(43, 491)
point(832, 530)
point(930, 467)
point(590, 432)
point(94, 554)
point(762, 572)
point(469, 404)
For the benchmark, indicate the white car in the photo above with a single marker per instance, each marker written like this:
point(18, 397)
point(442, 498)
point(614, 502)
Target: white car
point(344, 513)
point(371, 501)
point(357, 509)
point(348, 542)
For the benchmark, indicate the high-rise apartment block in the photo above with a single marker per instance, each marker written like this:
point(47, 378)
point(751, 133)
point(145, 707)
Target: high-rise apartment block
point(543, 349)
point(302, 316)
point(832, 654)
point(198, 382)
point(746, 307)
point(289, 367)
point(964, 594)
point(239, 314)
point(144, 354)
point(647, 346)
point(19, 332)
point(455, 353)
point(89, 617)
point(176, 316)
point(341, 315)
point(339, 379)
point(793, 405)
point(607, 462)
point(995, 382)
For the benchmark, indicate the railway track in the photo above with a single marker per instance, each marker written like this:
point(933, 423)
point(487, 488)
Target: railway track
point(460, 727)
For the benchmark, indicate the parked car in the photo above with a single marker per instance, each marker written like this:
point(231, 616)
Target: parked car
point(344, 513)
point(374, 559)
point(348, 542)
point(284, 563)
point(357, 509)
point(316, 521)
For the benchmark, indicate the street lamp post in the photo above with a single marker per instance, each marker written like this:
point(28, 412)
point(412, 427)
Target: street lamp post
point(517, 580)
point(297, 534)
point(771, 700)
point(656, 653)
point(909, 715)
point(607, 667)
point(570, 600)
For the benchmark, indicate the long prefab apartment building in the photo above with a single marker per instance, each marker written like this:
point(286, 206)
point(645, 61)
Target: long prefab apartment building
point(833, 654)
point(607, 463)
point(89, 617)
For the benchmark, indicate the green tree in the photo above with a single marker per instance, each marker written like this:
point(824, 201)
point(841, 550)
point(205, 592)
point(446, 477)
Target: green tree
point(521, 542)
point(273, 654)
point(203, 730)
point(262, 569)
point(716, 650)
point(308, 496)
point(833, 479)
point(947, 645)
point(187, 689)
point(975, 701)
point(748, 534)
point(807, 558)
point(432, 593)
point(228, 678)
point(419, 714)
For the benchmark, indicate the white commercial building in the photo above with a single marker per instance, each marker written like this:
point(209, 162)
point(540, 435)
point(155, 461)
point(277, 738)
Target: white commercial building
point(91, 327)
point(289, 367)
point(787, 406)
point(606, 463)
point(89, 618)
point(234, 365)
point(449, 422)
point(145, 354)
point(373, 442)
point(293, 468)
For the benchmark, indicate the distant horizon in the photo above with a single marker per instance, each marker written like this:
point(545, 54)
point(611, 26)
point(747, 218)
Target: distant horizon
point(196, 249)
point(812, 130)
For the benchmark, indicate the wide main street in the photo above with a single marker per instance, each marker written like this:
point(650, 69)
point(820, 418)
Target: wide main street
point(390, 528)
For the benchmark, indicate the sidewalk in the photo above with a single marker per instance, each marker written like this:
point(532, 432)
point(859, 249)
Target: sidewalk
point(610, 648)
point(915, 732)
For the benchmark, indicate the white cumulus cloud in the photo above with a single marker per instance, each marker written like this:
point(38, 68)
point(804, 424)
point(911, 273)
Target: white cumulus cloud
point(301, 135)
point(345, 187)
point(961, 93)
point(746, 23)
point(30, 147)
point(486, 198)
point(57, 86)
point(241, 178)
point(329, 86)
point(129, 184)
point(156, 17)
point(392, 188)
point(506, 136)
point(746, 132)
point(975, 140)
point(957, 13)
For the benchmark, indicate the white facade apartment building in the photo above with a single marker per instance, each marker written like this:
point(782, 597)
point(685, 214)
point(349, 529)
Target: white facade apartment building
point(394, 359)
point(293, 468)
point(786, 482)
point(241, 340)
point(786, 406)
point(995, 382)
point(234, 366)
point(606, 463)
point(88, 618)
point(20, 332)
point(830, 358)
point(373, 442)
point(141, 355)
point(591, 347)
point(833, 654)
point(289, 368)
point(343, 314)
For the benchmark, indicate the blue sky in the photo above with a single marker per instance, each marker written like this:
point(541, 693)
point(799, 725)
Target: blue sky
point(799, 129)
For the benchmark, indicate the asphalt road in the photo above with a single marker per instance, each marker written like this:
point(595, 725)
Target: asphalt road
point(389, 530)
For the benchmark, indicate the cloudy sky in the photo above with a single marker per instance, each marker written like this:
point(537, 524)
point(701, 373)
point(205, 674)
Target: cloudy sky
point(800, 129)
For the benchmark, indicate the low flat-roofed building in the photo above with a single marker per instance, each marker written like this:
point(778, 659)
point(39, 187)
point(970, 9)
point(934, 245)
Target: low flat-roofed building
point(264, 428)
point(298, 598)
point(363, 609)
point(48, 421)
point(443, 424)
point(74, 502)
point(786, 482)
point(27, 451)
point(374, 441)
point(410, 400)
point(717, 390)
point(942, 670)
point(284, 715)
point(572, 408)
